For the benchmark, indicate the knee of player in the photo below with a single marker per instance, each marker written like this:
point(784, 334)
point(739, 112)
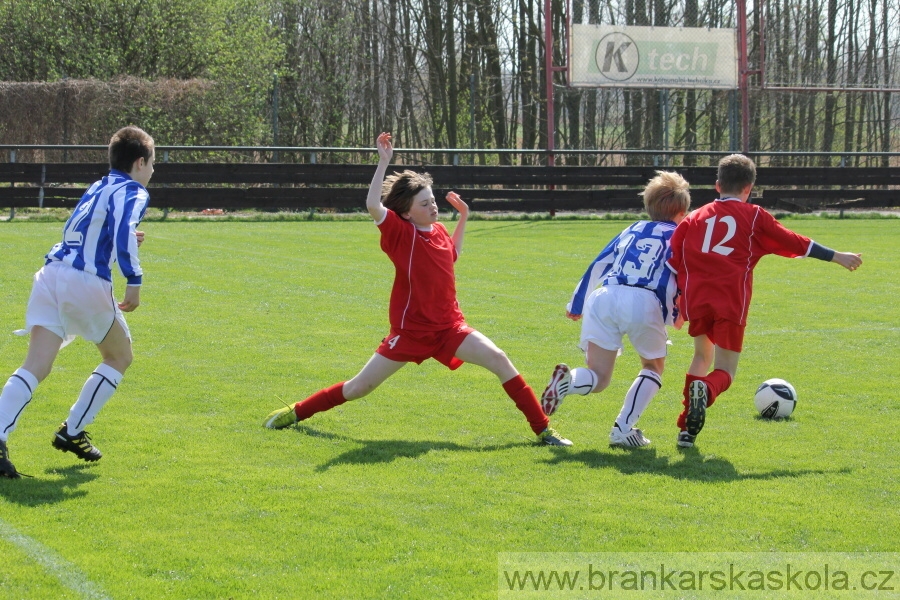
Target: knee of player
point(703, 358)
point(127, 357)
point(603, 380)
point(501, 360)
point(120, 361)
point(657, 365)
point(40, 372)
point(357, 389)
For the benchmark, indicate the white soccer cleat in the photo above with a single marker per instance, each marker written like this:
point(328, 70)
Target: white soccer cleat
point(557, 389)
point(631, 439)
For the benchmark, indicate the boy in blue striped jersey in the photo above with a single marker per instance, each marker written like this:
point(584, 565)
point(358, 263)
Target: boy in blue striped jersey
point(635, 297)
point(72, 295)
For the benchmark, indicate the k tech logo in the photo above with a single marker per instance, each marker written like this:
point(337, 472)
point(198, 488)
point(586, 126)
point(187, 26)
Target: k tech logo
point(652, 57)
point(617, 56)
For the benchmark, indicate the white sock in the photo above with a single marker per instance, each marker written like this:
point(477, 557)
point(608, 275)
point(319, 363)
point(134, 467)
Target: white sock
point(98, 388)
point(583, 381)
point(16, 395)
point(638, 398)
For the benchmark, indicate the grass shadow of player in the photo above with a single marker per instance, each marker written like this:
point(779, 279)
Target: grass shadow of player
point(372, 452)
point(693, 465)
point(38, 491)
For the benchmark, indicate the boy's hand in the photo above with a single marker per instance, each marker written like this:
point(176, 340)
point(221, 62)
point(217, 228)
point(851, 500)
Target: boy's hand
point(140, 237)
point(385, 148)
point(132, 298)
point(457, 202)
point(848, 260)
point(573, 317)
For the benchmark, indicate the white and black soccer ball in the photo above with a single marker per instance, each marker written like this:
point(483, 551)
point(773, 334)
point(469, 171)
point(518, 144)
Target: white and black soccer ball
point(775, 399)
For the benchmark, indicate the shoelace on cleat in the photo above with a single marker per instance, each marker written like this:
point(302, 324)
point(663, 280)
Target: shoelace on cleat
point(83, 441)
point(290, 409)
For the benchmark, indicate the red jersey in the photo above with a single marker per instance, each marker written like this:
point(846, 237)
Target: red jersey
point(424, 294)
point(714, 251)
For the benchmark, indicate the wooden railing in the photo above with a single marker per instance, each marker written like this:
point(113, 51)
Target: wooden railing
point(290, 186)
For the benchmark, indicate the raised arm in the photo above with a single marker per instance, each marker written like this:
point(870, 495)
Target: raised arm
point(463, 209)
point(373, 200)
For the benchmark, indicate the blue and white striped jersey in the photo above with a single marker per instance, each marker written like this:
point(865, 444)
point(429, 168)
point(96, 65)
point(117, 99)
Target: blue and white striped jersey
point(101, 230)
point(636, 257)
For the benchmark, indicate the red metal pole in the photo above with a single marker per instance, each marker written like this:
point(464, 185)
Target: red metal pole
point(548, 74)
point(743, 75)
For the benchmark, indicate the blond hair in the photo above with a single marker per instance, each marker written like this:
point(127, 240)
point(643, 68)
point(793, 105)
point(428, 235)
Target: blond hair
point(666, 195)
point(399, 189)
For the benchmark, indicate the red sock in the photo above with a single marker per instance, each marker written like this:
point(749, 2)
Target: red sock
point(527, 402)
point(716, 382)
point(320, 401)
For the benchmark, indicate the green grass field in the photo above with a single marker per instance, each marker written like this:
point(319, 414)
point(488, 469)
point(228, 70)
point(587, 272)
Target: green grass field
point(415, 490)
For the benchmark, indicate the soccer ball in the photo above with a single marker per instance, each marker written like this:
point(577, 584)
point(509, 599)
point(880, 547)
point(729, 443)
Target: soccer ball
point(775, 399)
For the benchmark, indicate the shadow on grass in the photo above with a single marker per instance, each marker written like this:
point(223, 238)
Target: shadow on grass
point(763, 419)
point(692, 466)
point(518, 224)
point(37, 491)
point(385, 451)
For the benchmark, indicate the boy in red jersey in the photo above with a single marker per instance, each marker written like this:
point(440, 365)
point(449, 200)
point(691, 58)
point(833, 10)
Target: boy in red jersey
point(425, 318)
point(714, 251)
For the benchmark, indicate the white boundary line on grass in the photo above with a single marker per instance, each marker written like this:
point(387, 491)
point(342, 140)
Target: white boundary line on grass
point(66, 572)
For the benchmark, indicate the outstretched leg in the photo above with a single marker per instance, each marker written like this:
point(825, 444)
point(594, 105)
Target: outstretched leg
point(372, 375)
point(582, 381)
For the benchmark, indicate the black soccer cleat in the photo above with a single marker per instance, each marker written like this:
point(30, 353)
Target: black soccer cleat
point(698, 397)
point(7, 469)
point(80, 445)
point(686, 440)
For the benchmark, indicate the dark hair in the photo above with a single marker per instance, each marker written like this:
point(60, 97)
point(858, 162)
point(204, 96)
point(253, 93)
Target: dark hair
point(736, 172)
point(127, 145)
point(398, 189)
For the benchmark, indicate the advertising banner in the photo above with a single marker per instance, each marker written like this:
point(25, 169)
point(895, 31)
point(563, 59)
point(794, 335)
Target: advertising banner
point(653, 57)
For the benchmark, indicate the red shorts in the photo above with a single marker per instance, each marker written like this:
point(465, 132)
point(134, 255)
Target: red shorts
point(417, 346)
point(722, 333)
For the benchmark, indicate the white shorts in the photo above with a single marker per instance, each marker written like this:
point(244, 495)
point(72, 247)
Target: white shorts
point(70, 302)
point(614, 311)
